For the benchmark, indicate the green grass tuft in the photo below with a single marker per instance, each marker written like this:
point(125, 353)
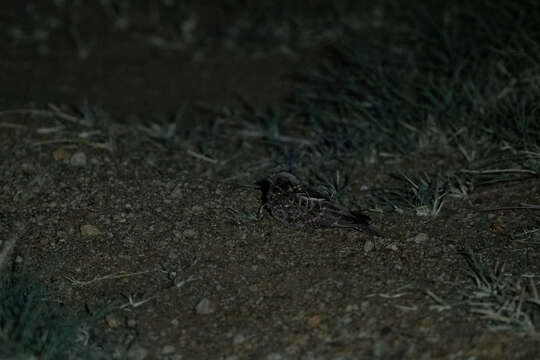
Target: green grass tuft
point(32, 325)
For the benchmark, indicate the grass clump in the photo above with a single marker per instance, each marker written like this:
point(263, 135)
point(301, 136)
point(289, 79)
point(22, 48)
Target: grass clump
point(508, 302)
point(445, 70)
point(34, 326)
point(425, 194)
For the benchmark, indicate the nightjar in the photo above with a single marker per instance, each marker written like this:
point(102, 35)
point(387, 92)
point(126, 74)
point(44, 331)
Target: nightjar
point(295, 204)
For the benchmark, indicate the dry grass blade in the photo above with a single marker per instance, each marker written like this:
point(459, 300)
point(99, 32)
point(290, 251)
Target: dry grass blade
point(501, 299)
point(8, 246)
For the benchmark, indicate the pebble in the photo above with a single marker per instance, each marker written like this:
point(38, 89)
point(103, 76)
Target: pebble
point(368, 246)
point(177, 193)
point(420, 238)
point(392, 247)
point(132, 323)
point(89, 230)
point(197, 209)
point(62, 154)
point(167, 349)
point(189, 233)
point(137, 352)
point(205, 307)
point(314, 321)
point(112, 321)
point(238, 339)
point(78, 159)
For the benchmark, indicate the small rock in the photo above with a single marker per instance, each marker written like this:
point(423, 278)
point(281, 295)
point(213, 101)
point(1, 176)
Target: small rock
point(112, 321)
point(27, 168)
point(197, 209)
point(61, 154)
point(137, 352)
point(205, 307)
point(78, 159)
point(238, 339)
point(189, 233)
point(392, 247)
point(314, 321)
point(167, 349)
point(368, 246)
point(177, 192)
point(89, 230)
point(292, 350)
point(420, 238)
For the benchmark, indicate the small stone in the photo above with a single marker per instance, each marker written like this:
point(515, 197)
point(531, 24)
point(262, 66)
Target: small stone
point(89, 230)
point(238, 339)
point(314, 321)
point(420, 238)
point(62, 154)
point(27, 168)
point(205, 307)
point(78, 159)
point(177, 192)
point(137, 352)
point(112, 321)
point(293, 350)
point(368, 246)
point(168, 350)
point(197, 209)
point(392, 247)
point(189, 233)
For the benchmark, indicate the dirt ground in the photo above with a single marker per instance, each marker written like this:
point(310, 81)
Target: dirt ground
point(148, 229)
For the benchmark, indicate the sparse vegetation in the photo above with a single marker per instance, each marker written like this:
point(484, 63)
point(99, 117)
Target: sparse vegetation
point(458, 83)
point(33, 325)
point(509, 302)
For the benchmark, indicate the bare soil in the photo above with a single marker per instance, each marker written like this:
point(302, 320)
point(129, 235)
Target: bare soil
point(149, 230)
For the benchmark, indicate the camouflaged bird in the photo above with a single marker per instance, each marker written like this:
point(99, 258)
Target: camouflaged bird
point(294, 204)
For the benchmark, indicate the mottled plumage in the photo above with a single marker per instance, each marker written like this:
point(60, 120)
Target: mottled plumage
point(295, 204)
